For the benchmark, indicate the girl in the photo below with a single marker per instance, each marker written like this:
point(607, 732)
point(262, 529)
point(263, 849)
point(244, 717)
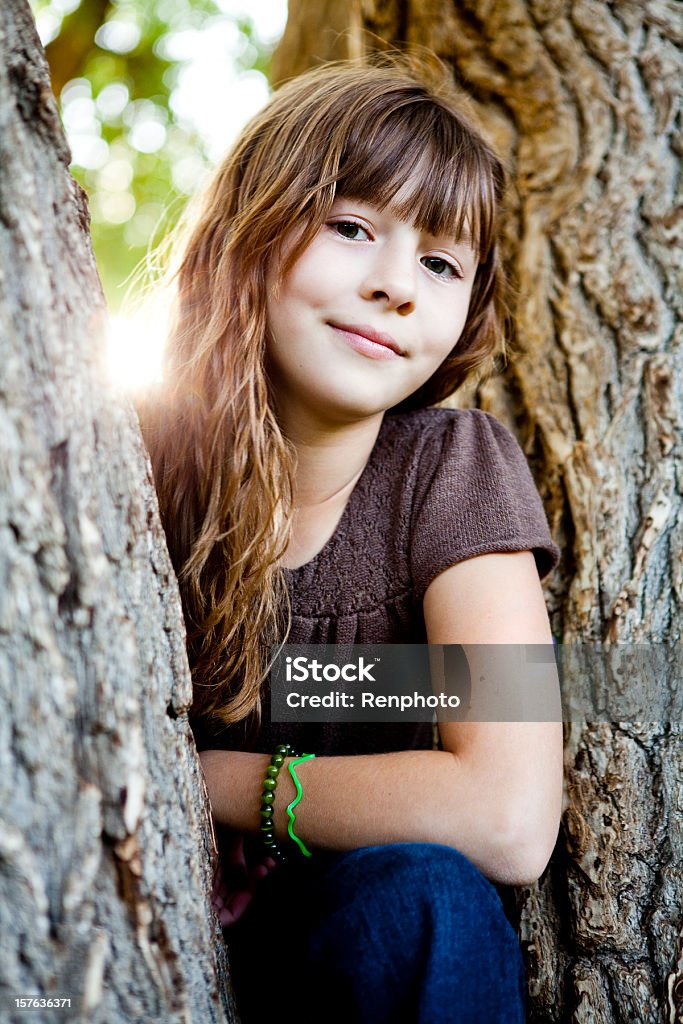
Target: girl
point(341, 278)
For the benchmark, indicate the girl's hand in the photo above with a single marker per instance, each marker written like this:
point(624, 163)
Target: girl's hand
point(241, 867)
point(236, 880)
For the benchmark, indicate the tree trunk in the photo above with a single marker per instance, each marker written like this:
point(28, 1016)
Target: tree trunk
point(317, 31)
point(582, 99)
point(104, 832)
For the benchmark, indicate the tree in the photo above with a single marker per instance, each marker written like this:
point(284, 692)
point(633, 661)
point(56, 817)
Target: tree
point(104, 841)
point(583, 100)
point(104, 828)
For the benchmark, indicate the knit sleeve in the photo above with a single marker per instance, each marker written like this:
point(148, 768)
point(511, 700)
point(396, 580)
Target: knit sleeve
point(476, 496)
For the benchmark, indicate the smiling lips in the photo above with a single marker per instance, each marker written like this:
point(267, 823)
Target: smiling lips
point(368, 342)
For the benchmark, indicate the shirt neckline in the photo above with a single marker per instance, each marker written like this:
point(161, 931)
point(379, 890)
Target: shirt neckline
point(333, 539)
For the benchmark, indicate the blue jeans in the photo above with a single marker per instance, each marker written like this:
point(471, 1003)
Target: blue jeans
point(408, 933)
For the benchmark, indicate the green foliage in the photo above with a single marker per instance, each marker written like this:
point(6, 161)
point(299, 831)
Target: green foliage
point(122, 69)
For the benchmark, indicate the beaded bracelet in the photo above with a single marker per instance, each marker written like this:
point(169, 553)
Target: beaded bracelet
point(282, 751)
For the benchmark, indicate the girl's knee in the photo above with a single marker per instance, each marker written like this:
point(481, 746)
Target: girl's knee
point(419, 868)
point(426, 886)
point(418, 922)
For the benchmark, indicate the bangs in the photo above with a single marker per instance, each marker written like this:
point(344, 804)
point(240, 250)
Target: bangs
point(447, 184)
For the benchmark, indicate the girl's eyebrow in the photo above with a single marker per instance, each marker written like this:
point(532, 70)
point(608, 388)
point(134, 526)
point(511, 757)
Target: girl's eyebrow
point(463, 239)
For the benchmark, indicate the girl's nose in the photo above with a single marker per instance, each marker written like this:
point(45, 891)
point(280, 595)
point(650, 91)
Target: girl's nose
point(391, 281)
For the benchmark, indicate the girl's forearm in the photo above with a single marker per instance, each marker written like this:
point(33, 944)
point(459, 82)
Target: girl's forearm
point(408, 796)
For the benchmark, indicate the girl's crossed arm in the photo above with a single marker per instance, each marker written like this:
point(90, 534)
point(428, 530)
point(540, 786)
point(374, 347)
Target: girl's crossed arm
point(494, 791)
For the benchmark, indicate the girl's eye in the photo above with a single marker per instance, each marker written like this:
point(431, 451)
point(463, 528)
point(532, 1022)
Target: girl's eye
point(349, 229)
point(441, 267)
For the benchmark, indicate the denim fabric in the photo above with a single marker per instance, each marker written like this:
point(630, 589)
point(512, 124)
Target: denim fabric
point(409, 933)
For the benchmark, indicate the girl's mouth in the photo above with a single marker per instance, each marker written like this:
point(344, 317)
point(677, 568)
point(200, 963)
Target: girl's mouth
point(368, 341)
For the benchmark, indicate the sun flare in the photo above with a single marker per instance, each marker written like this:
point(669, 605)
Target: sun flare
point(135, 346)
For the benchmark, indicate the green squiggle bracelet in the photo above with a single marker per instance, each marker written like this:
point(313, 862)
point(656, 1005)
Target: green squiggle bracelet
point(295, 801)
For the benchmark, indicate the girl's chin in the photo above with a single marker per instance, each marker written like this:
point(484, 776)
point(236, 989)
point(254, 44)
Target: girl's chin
point(365, 407)
point(365, 399)
point(347, 401)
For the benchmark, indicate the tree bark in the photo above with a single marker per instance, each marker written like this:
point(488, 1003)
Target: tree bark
point(582, 99)
point(104, 831)
point(317, 31)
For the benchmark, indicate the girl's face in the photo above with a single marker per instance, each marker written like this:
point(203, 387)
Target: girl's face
point(365, 316)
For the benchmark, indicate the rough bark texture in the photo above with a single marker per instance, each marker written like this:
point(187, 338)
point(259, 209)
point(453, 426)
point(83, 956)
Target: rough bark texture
point(317, 31)
point(104, 837)
point(583, 99)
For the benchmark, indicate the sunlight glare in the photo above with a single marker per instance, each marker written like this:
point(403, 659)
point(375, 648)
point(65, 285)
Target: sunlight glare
point(135, 346)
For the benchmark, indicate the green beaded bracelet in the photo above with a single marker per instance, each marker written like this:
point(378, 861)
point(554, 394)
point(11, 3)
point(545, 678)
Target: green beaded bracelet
point(267, 828)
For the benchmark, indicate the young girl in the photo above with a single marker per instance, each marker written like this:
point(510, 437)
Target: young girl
point(342, 278)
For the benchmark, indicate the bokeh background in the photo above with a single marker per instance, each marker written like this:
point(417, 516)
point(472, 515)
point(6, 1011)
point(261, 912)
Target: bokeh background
point(151, 95)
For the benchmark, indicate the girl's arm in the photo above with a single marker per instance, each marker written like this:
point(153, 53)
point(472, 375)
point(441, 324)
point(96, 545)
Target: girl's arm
point(493, 792)
point(497, 599)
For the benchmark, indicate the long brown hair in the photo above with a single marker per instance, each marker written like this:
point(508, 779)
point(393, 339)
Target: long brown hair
point(222, 466)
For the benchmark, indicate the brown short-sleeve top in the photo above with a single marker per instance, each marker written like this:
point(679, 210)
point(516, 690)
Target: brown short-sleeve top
point(440, 486)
